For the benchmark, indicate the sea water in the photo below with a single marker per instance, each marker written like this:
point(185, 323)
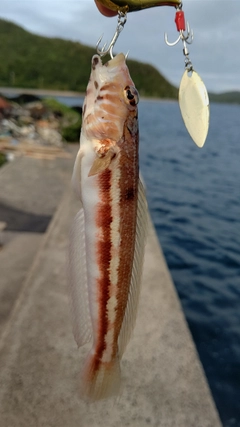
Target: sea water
point(194, 201)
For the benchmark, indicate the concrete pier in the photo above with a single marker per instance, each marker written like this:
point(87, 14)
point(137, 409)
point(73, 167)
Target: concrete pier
point(163, 380)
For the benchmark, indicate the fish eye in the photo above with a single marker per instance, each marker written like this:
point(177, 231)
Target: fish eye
point(131, 95)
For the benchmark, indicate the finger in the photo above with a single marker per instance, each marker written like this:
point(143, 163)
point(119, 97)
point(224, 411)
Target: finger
point(104, 10)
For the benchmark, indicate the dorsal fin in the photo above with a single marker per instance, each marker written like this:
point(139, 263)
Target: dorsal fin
point(133, 297)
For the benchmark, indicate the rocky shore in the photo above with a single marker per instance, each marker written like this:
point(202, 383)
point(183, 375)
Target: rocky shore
point(37, 127)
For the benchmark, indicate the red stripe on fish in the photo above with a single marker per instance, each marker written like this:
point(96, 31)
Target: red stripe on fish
point(103, 221)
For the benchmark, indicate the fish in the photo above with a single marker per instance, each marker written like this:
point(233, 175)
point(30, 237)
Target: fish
point(108, 235)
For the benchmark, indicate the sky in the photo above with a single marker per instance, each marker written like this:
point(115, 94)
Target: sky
point(215, 51)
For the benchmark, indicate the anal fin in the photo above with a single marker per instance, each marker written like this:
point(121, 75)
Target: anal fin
point(76, 176)
point(77, 282)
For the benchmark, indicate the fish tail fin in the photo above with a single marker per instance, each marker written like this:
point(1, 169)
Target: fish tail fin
point(100, 380)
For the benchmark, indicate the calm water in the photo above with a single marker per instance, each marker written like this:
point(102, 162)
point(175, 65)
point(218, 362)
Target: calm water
point(194, 200)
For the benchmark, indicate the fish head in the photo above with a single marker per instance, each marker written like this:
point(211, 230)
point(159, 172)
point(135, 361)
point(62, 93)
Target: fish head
point(111, 96)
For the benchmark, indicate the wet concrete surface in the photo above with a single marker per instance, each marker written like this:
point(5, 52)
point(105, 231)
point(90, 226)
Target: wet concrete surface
point(20, 220)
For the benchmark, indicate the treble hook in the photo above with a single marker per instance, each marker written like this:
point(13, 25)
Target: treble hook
point(122, 19)
point(180, 24)
point(188, 38)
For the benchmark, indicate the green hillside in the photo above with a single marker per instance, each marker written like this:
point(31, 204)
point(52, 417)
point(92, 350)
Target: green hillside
point(31, 61)
point(227, 97)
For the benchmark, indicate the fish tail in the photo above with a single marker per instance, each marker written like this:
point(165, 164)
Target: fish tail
point(100, 380)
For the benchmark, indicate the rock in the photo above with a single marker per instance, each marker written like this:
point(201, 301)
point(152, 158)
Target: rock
point(37, 109)
point(50, 136)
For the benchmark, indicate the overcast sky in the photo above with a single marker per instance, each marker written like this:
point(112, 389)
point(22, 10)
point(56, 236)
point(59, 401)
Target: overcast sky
point(215, 52)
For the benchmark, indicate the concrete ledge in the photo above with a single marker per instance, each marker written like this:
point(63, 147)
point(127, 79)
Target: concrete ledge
point(31, 191)
point(163, 382)
point(15, 259)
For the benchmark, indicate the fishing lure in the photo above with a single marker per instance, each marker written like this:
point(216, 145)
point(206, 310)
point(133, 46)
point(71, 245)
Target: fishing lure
point(193, 96)
point(134, 5)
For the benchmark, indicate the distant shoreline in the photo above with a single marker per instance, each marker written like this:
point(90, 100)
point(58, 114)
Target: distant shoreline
point(225, 98)
point(41, 92)
point(63, 93)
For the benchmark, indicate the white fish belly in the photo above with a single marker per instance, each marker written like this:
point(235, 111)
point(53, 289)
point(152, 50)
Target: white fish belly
point(90, 200)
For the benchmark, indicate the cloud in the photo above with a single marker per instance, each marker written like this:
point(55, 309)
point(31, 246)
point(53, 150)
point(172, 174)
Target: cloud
point(214, 52)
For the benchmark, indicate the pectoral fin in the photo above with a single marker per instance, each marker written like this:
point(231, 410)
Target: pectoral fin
point(102, 163)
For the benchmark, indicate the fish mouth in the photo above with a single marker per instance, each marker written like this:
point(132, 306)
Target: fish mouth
point(116, 61)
